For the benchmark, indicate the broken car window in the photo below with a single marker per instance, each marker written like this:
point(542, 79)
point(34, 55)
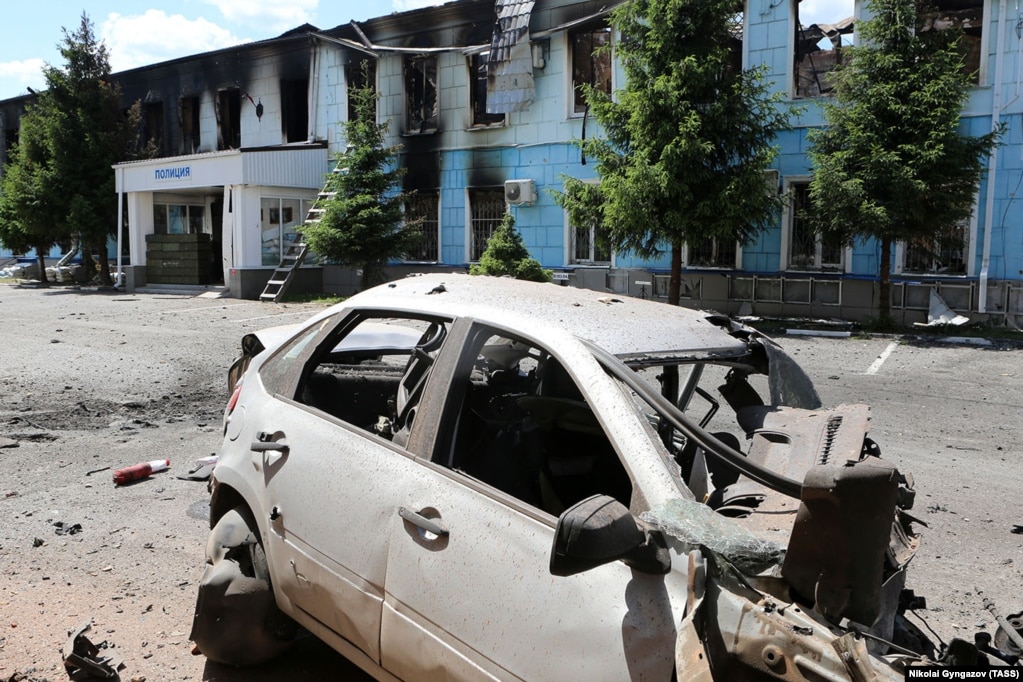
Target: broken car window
point(525, 427)
point(371, 373)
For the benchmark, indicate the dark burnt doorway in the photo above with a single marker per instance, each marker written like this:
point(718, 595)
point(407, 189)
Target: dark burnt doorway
point(216, 241)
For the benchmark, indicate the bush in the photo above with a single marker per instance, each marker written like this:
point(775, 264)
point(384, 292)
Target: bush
point(506, 255)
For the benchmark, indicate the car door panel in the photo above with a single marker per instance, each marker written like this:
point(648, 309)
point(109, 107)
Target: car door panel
point(483, 598)
point(342, 485)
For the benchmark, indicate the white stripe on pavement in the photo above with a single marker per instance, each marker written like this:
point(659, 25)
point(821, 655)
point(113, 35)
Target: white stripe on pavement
point(882, 357)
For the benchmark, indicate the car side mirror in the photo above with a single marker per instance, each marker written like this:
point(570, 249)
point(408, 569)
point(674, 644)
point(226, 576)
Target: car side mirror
point(599, 530)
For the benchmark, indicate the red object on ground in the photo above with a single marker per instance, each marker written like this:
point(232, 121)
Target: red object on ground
point(134, 473)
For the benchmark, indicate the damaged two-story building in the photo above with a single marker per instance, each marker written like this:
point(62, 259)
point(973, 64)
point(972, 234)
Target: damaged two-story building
point(482, 97)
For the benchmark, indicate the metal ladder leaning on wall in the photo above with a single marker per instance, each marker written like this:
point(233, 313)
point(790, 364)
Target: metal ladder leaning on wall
point(294, 255)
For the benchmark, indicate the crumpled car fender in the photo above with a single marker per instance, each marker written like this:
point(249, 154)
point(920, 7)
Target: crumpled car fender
point(237, 621)
point(731, 631)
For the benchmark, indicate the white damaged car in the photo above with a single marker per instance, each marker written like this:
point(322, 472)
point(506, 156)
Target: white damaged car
point(475, 478)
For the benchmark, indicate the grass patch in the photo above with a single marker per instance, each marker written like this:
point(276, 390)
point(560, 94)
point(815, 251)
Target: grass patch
point(321, 299)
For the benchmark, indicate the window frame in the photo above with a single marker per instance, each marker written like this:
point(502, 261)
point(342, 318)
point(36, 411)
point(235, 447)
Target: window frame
point(431, 238)
point(476, 72)
point(472, 253)
point(577, 109)
point(789, 216)
point(429, 122)
point(903, 253)
point(715, 246)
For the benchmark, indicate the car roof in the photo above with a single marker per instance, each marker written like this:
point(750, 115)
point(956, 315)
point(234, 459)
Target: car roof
point(627, 327)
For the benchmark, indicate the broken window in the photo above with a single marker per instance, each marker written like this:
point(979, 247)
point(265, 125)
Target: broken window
point(229, 119)
point(712, 253)
point(966, 15)
point(807, 250)
point(818, 46)
point(153, 125)
point(425, 207)
point(944, 254)
point(359, 74)
point(422, 109)
point(478, 92)
point(591, 63)
point(295, 110)
point(188, 121)
point(486, 210)
point(523, 425)
point(369, 372)
point(588, 247)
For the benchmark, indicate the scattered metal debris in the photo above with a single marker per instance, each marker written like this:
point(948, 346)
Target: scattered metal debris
point(82, 658)
point(202, 470)
point(64, 528)
point(940, 314)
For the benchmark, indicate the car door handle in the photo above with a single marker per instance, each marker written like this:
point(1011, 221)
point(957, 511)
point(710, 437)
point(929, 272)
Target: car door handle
point(259, 446)
point(429, 525)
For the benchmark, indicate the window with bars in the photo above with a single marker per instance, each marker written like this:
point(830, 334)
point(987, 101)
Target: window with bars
point(425, 207)
point(807, 251)
point(712, 253)
point(486, 209)
point(945, 254)
point(422, 110)
point(587, 248)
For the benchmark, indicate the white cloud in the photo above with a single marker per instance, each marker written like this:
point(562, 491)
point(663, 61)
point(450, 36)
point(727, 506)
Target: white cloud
point(28, 72)
point(406, 5)
point(268, 15)
point(156, 36)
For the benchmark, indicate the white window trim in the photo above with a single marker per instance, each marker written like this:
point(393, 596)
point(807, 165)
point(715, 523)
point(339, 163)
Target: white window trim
point(968, 252)
point(858, 15)
point(786, 232)
point(569, 86)
point(569, 233)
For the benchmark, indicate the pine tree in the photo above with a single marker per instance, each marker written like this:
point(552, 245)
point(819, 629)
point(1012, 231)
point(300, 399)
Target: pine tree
point(685, 142)
point(363, 224)
point(506, 255)
point(70, 139)
point(892, 164)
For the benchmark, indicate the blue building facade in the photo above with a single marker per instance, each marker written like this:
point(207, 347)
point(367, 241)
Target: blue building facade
point(481, 97)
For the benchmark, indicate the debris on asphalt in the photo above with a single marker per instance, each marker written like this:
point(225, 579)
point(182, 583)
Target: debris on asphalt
point(139, 471)
point(64, 528)
point(940, 314)
point(83, 659)
point(202, 470)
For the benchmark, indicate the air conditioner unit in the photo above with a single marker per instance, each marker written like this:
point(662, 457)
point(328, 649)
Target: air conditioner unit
point(519, 191)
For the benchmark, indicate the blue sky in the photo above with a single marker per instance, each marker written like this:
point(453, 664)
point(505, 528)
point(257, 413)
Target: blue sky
point(141, 33)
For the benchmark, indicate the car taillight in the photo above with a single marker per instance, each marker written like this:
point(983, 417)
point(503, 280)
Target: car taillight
point(233, 400)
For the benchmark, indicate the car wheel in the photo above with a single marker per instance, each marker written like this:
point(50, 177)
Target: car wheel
point(237, 621)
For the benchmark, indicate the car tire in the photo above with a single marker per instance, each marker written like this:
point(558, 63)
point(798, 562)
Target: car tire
point(237, 621)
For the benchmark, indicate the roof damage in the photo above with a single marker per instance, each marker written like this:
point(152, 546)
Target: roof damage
point(510, 84)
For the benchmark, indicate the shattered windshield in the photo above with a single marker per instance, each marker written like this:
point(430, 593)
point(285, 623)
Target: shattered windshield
point(696, 524)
